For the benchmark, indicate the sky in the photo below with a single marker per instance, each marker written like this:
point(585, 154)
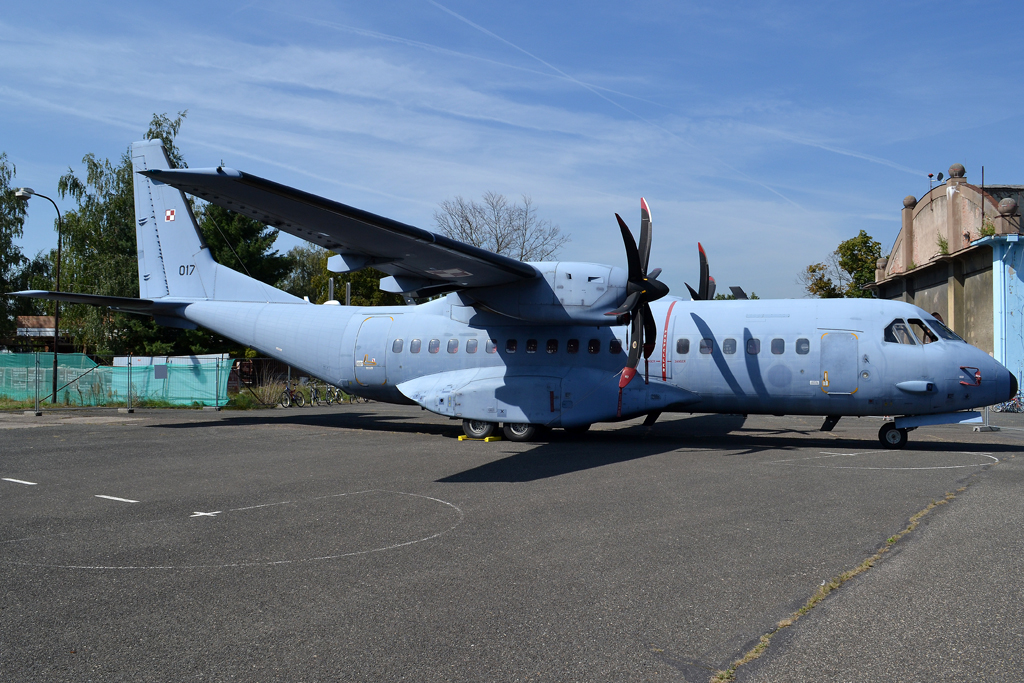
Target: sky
point(767, 131)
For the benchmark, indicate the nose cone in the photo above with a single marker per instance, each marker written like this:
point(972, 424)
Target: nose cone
point(1013, 386)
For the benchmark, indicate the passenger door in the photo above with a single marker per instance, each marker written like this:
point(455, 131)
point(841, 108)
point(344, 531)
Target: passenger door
point(370, 354)
point(839, 363)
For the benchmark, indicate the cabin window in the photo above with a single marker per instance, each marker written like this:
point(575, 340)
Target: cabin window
point(396, 346)
point(728, 346)
point(682, 346)
point(453, 346)
point(471, 345)
point(572, 346)
point(594, 346)
point(753, 346)
point(923, 334)
point(778, 346)
point(707, 345)
point(803, 346)
point(511, 345)
point(434, 345)
point(898, 333)
point(491, 346)
point(615, 346)
point(414, 346)
point(531, 346)
point(552, 346)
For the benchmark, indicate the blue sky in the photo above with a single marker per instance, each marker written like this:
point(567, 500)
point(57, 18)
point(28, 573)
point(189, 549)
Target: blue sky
point(768, 131)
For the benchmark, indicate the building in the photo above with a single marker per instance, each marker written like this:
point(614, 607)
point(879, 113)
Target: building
point(959, 255)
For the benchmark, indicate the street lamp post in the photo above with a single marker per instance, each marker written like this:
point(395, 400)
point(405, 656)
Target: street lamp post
point(24, 193)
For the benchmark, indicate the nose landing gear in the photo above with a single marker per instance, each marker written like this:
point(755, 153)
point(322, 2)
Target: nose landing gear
point(891, 437)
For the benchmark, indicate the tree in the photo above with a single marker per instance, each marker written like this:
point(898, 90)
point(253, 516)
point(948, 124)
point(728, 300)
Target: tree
point(846, 271)
point(732, 297)
point(507, 229)
point(242, 243)
point(12, 220)
point(309, 277)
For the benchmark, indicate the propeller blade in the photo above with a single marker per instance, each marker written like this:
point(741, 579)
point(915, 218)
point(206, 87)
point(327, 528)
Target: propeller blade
point(711, 287)
point(650, 331)
point(628, 305)
point(702, 291)
point(636, 339)
point(694, 296)
point(645, 235)
point(653, 275)
point(636, 273)
point(738, 292)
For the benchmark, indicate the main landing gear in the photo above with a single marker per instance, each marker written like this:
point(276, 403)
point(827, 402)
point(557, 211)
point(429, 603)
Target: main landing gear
point(892, 437)
point(477, 429)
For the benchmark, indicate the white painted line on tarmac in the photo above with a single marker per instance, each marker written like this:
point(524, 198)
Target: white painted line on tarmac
point(120, 500)
point(19, 481)
point(205, 514)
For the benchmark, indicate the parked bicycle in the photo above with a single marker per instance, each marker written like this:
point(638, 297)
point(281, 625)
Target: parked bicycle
point(291, 396)
point(319, 395)
point(1014, 405)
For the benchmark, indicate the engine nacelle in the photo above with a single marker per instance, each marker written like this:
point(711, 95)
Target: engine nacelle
point(567, 292)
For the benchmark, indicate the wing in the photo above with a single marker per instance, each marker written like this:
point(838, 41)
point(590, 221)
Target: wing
point(420, 261)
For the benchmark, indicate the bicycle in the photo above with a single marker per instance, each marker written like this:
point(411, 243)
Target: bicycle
point(318, 396)
point(1014, 405)
point(291, 397)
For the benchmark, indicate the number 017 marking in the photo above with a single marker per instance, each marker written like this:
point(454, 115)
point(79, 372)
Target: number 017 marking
point(186, 270)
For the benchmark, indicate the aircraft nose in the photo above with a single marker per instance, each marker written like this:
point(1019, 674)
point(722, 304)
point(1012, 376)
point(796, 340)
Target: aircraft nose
point(1013, 386)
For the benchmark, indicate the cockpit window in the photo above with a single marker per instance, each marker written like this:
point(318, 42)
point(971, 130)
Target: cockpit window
point(921, 331)
point(898, 333)
point(943, 331)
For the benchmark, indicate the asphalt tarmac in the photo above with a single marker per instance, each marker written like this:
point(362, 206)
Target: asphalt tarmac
point(366, 543)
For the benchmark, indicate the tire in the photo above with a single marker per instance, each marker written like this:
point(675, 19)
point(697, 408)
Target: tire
point(520, 431)
point(286, 400)
point(476, 429)
point(891, 437)
point(329, 396)
point(299, 400)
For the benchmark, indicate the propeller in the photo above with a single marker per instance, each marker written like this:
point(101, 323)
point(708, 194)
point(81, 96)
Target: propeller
point(707, 283)
point(641, 289)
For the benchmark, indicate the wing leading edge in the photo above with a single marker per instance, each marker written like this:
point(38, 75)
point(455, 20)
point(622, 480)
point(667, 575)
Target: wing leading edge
point(420, 261)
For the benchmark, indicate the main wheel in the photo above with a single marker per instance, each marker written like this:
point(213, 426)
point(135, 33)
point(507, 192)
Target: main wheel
point(520, 431)
point(286, 400)
point(476, 429)
point(892, 437)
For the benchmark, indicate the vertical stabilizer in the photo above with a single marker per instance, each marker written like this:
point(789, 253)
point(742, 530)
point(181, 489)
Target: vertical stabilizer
point(172, 256)
point(173, 260)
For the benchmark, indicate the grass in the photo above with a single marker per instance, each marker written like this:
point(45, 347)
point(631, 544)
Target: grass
point(826, 588)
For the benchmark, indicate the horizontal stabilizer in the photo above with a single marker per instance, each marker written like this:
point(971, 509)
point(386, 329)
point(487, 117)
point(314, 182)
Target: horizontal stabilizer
point(127, 304)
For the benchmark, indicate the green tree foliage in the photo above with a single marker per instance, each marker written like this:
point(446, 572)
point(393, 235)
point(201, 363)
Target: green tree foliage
point(309, 277)
point(847, 270)
point(243, 244)
point(12, 220)
point(731, 297)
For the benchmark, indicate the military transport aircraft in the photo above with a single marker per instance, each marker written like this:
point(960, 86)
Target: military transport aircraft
point(531, 346)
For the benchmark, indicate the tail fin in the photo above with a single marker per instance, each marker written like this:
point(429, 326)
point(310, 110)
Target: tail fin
point(173, 259)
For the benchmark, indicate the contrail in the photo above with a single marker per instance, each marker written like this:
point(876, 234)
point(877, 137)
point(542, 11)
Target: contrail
point(607, 99)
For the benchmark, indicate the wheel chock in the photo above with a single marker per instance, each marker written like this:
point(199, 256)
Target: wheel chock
point(488, 439)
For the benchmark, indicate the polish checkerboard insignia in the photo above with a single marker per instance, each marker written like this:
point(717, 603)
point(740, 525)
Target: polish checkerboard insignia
point(168, 215)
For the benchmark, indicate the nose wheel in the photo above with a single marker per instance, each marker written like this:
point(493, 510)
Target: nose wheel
point(892, 437)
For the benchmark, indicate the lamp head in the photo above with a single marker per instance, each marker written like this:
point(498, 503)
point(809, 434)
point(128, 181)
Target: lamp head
point(23, 193)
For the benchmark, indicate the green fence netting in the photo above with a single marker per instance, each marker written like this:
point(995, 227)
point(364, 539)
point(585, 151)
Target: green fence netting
point(83, 382)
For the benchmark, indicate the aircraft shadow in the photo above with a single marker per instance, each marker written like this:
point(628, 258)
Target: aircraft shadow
point(563, 454)
point(349, 419)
